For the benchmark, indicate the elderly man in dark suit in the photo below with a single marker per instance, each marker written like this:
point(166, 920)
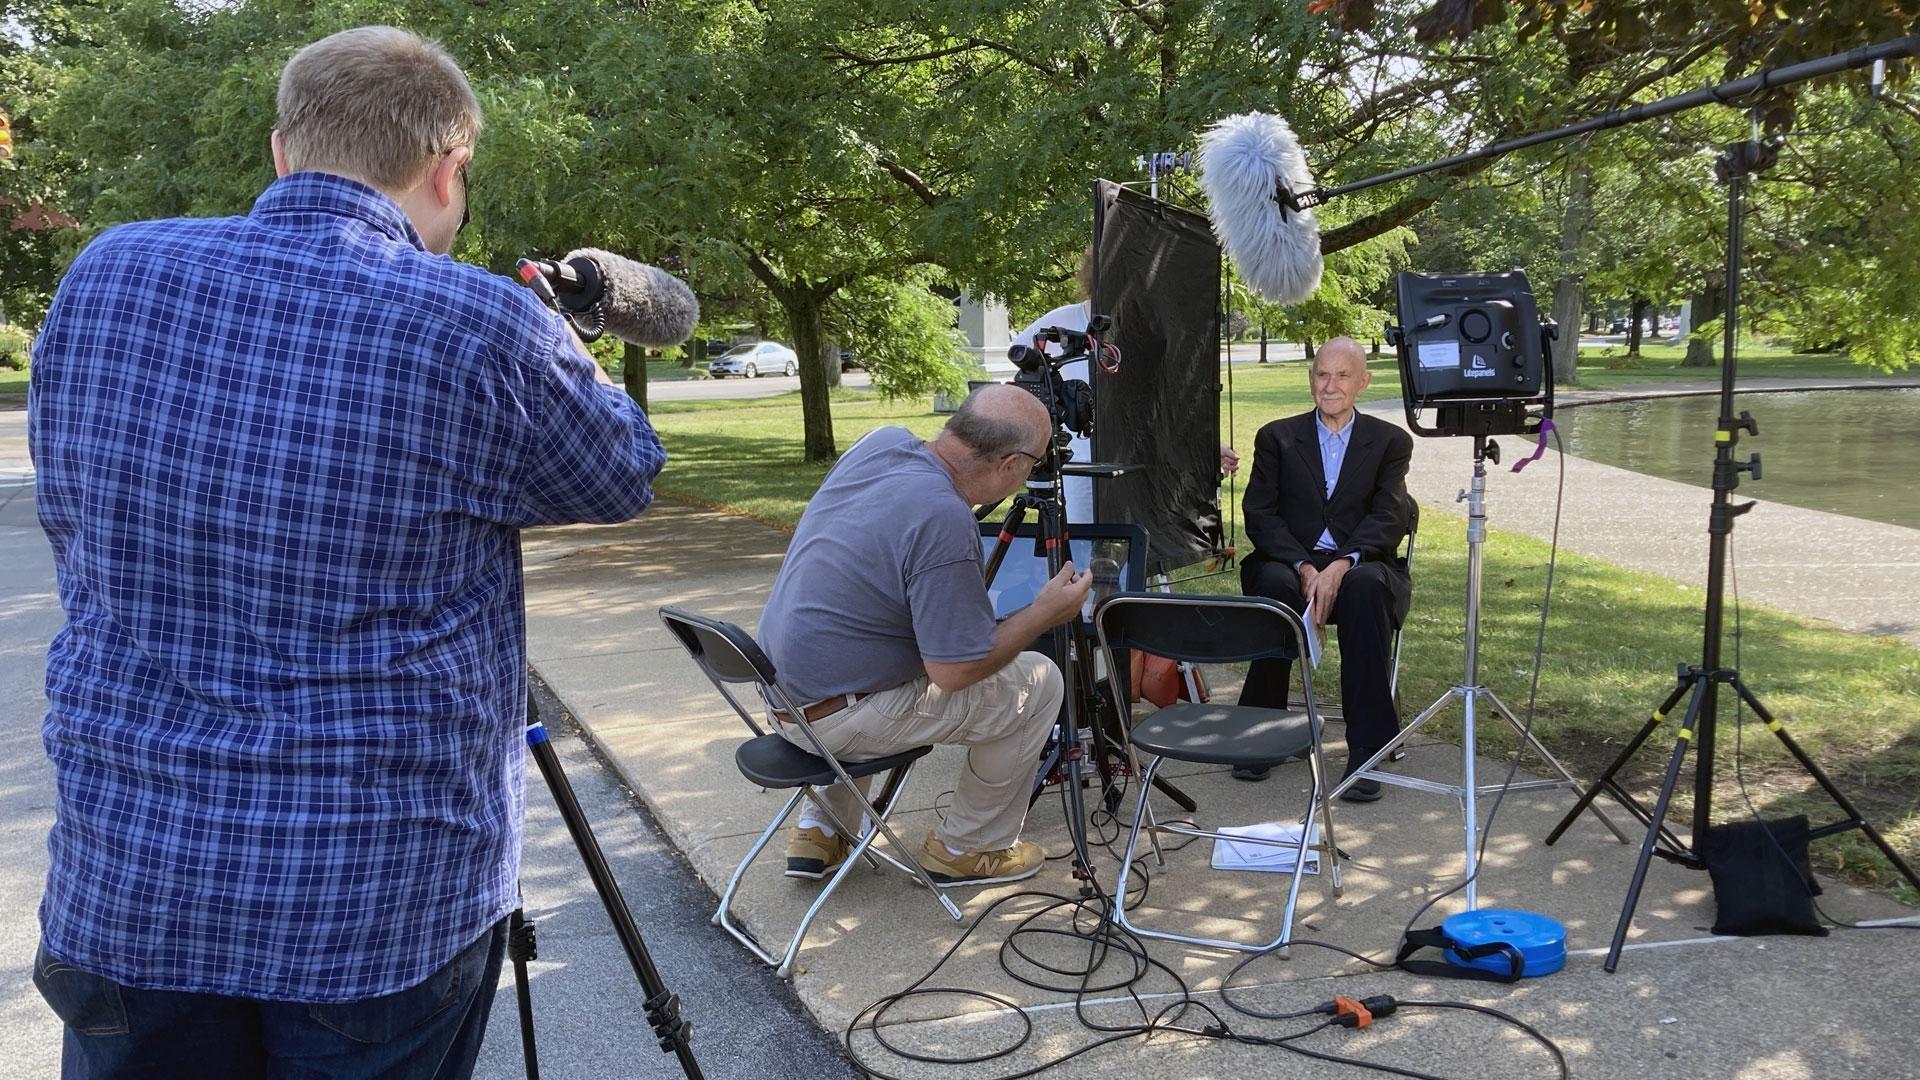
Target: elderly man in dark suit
point(1326, 508)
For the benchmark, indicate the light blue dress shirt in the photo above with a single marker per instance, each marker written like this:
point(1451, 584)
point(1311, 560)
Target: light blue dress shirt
point(1333, 451)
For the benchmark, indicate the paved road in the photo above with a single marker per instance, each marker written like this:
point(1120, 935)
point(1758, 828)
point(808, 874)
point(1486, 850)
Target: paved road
point(586, 998)
point(764, 386)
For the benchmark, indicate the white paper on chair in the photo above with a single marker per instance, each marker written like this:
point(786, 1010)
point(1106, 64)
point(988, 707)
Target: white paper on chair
point(1228, 855)
point(1315, 634)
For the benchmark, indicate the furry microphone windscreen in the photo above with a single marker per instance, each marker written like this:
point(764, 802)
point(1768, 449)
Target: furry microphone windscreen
point(644, 304)
point(1242, 160)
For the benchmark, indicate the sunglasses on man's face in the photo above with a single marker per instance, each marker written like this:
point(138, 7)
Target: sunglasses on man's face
point(466, 199)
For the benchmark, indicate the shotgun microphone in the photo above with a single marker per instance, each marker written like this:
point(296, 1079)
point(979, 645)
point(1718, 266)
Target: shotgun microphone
point(1252, 169)
point(603, 292)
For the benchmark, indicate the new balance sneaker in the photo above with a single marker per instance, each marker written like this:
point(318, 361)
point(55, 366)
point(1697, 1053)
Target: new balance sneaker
point(812, 854)
point(1017, 863)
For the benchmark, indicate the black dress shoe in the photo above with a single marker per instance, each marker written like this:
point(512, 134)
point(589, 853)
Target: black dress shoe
point(1362, 790)
point(1252, 772)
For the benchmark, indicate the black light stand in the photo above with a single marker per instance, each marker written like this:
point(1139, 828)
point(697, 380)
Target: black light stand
point(1703, 680)
point(1701, 683)
point(662, 1005)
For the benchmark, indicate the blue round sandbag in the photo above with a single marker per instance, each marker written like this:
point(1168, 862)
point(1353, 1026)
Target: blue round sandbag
point(1540, 939)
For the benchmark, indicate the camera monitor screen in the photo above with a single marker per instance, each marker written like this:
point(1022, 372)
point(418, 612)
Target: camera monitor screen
point(1117, 555)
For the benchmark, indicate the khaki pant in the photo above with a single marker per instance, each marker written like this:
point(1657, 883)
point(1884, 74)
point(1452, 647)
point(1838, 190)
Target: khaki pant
point(1003, 720)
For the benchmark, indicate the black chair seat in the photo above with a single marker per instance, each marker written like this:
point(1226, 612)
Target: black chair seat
point(1225, 734)
point(772, 762)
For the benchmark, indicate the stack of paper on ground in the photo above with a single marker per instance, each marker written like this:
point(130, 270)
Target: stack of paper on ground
point(1229, 855)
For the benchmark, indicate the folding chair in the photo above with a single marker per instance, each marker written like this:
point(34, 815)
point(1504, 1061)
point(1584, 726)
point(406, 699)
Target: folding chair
point(1218, 630)
point(730, 657)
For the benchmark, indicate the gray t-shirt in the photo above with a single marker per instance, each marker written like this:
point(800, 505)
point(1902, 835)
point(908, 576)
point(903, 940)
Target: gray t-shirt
point(882, 575)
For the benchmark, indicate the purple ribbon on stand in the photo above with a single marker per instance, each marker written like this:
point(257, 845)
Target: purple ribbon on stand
point(1546, 425)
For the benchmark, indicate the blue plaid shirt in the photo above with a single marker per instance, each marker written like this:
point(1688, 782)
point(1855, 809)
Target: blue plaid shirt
point(284, 460)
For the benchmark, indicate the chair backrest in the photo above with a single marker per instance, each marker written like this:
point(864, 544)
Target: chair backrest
point(1199, 629)
point(1413, 531)
point(729, 657)
point(725, 652)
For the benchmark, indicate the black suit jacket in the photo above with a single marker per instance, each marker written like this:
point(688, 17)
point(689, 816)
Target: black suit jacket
point(1286, 504)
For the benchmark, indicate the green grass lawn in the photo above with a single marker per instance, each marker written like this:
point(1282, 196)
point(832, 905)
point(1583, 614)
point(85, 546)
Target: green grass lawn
point(1610, 366)
point(1614, 637)
point(13, 383)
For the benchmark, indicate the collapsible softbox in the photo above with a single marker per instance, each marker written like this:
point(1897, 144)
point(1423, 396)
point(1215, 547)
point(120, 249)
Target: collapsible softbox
point(1157, 273)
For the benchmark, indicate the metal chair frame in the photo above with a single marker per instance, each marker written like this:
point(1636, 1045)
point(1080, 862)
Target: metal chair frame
point(744, 662)
point(1319, 805)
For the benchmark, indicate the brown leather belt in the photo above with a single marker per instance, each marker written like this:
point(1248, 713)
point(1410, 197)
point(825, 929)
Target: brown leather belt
point(819, 710)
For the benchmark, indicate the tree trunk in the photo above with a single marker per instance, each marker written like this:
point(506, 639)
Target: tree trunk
point(1635, 320)
point(1263, 341)
point(832, 358)
point(803, 308)
point(1706, 309)
point(1308, 349)
point(1567, 290)
point(633, 371)
point(1567, 299)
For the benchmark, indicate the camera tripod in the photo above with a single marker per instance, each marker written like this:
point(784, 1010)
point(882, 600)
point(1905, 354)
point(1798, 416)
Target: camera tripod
point(1473, 697)
point(1700, 683)
point(662, 1005)
point(1082, 705)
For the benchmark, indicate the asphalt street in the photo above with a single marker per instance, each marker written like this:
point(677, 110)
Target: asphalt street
point(587, 1000)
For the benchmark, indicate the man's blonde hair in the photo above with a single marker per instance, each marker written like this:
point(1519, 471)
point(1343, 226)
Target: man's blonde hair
point(375, 103)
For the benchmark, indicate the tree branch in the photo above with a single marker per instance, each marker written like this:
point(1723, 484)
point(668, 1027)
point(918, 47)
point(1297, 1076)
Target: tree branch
point(912, 180)
point(1360, 230)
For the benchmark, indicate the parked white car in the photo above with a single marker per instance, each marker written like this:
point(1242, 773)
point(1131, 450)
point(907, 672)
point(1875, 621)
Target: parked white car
point(754, 360)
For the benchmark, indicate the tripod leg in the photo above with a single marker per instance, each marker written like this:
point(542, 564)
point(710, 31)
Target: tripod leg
point(1049, 761)
point(1606, 782)
point(1855, 819)
point(1399, 740)
point(662, 1006)
point(1680, 746)
point(1529, 739)
point(521, 948)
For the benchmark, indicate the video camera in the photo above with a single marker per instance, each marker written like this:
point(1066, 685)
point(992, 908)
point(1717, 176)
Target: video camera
point(1069, 401)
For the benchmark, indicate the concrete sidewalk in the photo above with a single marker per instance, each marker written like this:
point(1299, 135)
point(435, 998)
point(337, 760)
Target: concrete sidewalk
point(1680, 1006)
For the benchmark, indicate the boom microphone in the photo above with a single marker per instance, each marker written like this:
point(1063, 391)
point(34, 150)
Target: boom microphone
point(1245, 160)
point(600, 291)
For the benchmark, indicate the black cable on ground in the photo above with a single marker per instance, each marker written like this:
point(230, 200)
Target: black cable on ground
point(1104, 938)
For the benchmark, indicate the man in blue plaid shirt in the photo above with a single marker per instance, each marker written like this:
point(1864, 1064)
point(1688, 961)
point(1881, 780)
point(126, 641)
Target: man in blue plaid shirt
point(284, 461)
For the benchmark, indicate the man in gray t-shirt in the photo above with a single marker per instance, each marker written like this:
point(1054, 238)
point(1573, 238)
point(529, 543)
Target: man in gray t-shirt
point(880, 629)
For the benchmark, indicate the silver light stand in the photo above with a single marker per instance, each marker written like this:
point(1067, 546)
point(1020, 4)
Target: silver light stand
point(1470, 693)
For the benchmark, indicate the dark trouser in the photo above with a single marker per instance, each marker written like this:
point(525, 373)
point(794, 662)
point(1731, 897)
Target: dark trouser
point(432, 1030)
point(1364, 611)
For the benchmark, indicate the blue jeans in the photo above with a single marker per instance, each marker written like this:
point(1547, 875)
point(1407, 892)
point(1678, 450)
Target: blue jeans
point(432, 1030)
